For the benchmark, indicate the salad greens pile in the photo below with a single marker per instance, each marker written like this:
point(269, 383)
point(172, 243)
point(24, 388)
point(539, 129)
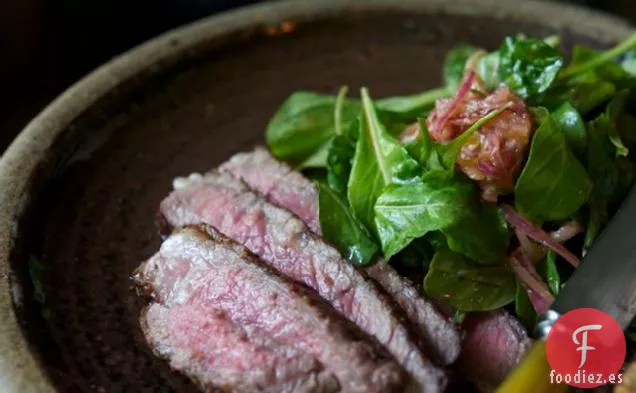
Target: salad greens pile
point(403, 199)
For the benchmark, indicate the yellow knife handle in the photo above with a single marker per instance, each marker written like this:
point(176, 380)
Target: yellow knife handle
point(532, 375)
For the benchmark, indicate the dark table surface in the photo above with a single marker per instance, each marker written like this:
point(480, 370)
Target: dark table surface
point(46, 45)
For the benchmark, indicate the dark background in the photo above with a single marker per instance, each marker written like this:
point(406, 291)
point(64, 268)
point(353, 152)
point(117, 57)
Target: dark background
point(46, 45)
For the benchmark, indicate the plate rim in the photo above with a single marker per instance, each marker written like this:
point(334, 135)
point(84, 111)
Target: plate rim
point(20, 370)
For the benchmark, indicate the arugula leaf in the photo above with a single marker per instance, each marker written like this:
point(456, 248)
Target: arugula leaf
point(317, 160)
point(454, 63)
point(601, 154)
point(482, 234)
point(341, 98)
point(299, 132)
point(488, 70)
point(585, 59)
point(379, 160)
point(448, 152)
point(411, 106)
point(591, 78)
point(600, 166)
point(304, 124)
point(488, 66)
point(605, 160)
point(524, 308)
point(597, 219)
point(550, 273)
point(611, 173)
point(341, 149)
point(528, 66)
point(553, 184)
point(395, 128)
point(339, 161)
point(468, 286)
point(423, 149)
point(408, 211)
point(583, 96)
point(608, 70)
point(572, 125)
point(420, 147)
point(614, 110)
point(342, 229)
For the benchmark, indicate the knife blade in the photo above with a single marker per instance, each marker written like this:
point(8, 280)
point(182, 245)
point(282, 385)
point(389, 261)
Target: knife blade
point(605, 280)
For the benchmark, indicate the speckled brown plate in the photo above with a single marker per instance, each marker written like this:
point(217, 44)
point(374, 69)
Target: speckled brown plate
point(80, 186)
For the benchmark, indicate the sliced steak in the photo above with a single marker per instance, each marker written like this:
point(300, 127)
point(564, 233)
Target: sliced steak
point(283, 240)
point(217, 353)
point(287, 188)
point(279, 183)
point(494, 344)
point(228, 320)
point(442, 340)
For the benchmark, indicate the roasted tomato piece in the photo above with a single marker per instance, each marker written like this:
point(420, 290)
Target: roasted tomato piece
point(494, 154)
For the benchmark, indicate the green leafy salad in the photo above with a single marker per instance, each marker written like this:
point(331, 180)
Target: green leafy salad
point(493, 185)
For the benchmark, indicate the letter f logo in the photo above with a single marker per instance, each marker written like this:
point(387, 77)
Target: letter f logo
point(584, 347)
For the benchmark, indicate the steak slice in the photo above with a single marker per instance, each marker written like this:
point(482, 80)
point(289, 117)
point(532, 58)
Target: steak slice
point(217, 353)
point(287, 188)
point(441, 339)
point(283, 241)
point(494, 344)
point(228, 320)
point(279, 183)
